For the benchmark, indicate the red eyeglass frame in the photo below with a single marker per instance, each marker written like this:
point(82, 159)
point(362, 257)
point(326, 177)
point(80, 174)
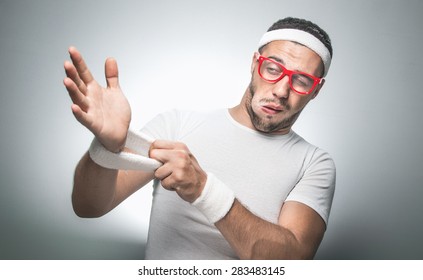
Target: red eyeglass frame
point(316, 80)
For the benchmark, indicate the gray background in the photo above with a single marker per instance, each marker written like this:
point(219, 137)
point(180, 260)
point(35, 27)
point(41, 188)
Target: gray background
point(368, 115)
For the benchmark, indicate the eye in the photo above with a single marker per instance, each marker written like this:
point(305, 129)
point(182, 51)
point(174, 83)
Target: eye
point(272, 68)
point(302, 80)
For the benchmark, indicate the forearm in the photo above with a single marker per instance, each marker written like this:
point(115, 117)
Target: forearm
point(94, 188)
point(254, 238)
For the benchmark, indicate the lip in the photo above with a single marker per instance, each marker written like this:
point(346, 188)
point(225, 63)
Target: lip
point(272, 109)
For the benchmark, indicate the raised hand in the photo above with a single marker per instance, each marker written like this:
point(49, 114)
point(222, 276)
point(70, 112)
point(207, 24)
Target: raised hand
point(104, 111)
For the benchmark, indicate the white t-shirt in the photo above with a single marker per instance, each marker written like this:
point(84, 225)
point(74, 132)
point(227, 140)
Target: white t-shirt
point(263, 170)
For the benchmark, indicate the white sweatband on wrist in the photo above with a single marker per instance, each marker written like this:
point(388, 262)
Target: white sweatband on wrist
point(216, 199)
point(136, 141)
point(302, 37)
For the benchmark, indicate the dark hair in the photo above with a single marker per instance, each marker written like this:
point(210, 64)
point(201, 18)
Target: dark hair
point(304, 25)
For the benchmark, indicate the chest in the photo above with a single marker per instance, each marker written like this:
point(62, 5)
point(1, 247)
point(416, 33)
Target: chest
point(261, 173)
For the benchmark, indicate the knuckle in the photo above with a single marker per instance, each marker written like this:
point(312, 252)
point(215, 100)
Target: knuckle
point(167, 183)
point(183, 146)
point(152, 153)
point(182, 155)
point(178, 176)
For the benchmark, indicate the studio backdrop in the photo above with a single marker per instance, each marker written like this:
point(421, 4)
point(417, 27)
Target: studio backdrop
point(368, 115)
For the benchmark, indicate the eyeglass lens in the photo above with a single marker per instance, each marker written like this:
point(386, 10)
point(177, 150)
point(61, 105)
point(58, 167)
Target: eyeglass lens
point(271, 72)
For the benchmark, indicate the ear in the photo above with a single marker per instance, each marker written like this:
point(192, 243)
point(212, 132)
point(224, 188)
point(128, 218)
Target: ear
point(253, 61)
point(318, 88)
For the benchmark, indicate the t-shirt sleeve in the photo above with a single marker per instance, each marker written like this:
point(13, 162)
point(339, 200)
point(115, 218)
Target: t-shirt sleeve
point(317, 186)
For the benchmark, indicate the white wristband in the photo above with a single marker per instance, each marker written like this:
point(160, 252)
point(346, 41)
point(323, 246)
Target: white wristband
point(138, 142)
point(216, 199)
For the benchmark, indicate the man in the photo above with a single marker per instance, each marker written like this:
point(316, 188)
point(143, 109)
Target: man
point(237, 183)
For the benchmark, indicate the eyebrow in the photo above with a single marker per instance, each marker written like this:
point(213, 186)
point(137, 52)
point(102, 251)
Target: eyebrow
point(280, 60)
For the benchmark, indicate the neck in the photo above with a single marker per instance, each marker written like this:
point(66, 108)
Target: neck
point(240, 114)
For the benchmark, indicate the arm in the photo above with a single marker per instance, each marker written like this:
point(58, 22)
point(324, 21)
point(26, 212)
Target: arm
point(107, 114)
point(98, 190)
point(296, 236)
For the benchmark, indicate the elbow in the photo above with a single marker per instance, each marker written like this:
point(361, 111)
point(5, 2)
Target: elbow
point(279, 254)
point(84, 212)
point(270, 250)
point(87, 210)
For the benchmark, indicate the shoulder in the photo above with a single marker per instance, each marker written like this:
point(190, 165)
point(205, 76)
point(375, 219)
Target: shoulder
point(314, 154)
point(318, 179)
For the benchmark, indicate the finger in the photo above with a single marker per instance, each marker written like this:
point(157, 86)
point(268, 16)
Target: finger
point(177, 156)
point(163, 172)
point(75, 94)
point(169, 185)
point(168, 145)
point(80, 65)
point(72, 73)
point(80, 115)
point(112, 73)
point(160, 154)
point(164, 151)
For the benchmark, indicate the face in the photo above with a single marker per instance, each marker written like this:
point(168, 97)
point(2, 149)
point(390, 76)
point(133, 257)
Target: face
point(274, 107)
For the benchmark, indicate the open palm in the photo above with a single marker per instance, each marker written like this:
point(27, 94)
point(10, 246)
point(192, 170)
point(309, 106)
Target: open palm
point(104, 111)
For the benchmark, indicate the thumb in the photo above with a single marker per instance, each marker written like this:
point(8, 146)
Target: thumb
point(112, 73)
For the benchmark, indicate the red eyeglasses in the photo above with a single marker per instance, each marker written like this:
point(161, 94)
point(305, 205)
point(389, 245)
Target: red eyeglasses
point(273, 71)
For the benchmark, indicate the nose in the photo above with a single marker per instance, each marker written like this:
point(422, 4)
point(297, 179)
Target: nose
point(281, 88)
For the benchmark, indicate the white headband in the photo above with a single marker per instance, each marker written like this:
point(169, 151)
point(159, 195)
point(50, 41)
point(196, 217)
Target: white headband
point(302, 37)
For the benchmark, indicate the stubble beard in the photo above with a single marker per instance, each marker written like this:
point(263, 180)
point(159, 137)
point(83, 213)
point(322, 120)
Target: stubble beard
point(266, 125)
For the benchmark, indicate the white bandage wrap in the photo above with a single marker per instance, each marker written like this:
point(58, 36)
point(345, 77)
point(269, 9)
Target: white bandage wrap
point(302, 37)
point(136, 141)
point(216, 199)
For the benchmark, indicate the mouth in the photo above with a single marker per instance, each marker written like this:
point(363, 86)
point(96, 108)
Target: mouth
point(272, 109)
